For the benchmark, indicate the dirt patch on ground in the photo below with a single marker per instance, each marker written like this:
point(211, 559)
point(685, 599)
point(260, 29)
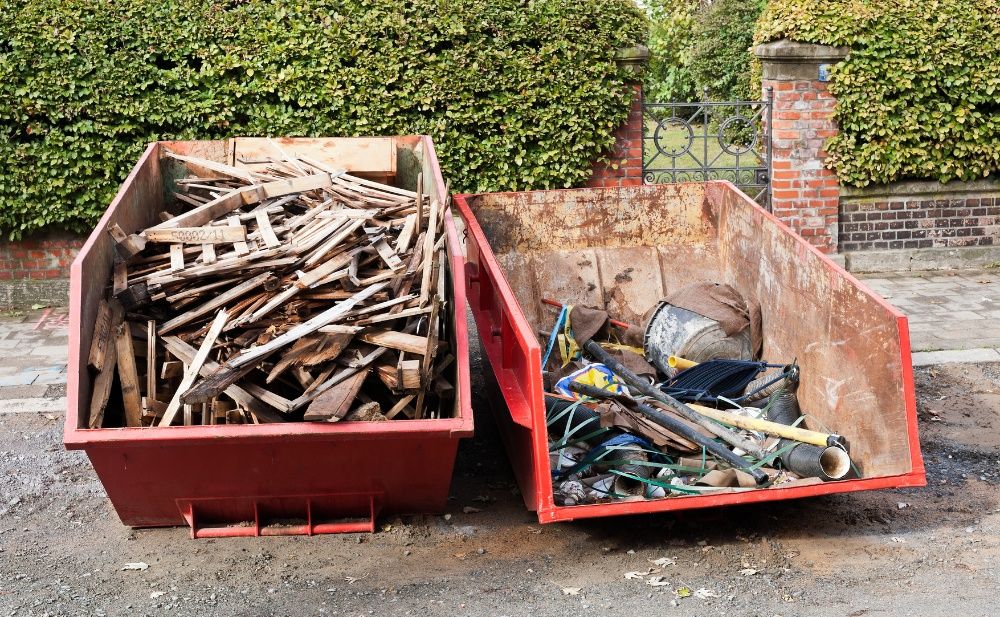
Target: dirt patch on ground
point(923, 551)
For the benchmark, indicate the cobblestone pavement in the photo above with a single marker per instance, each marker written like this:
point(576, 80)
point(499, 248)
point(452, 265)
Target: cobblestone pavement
point(33, 360)
point(954, 315)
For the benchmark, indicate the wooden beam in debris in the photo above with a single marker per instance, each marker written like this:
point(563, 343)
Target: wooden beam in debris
point(213, 234)
point(194, 368)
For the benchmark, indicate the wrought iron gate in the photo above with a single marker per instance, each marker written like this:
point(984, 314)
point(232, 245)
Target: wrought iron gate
point(695, 142)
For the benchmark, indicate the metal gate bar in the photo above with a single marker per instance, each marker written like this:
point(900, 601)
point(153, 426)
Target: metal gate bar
point(710, 140)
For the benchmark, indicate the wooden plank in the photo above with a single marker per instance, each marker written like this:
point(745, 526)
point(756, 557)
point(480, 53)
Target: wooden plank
point(340, 329)
point(176, 257)
point(205, 213)
point(429, 255)
point(313, 277)
point(214, 303)
point(182, 350)
point(247, 195)
point(420, 203)
point(308, 327)
point(214, 234)
point(125, 244)
point(332, 243)
point(406, 234)
point(401, 406)
point(222, 168)
point(413, 312)
point(267, 233)
point(240, 245)
point(388, 254)
point(119, 278)
point(237, 366)
point(336, 401)
point(151, 359)
point(171, 369)
point(194, 369)
point(405, 376)
point(208, 254)
point(410, 343)
point(102, 335)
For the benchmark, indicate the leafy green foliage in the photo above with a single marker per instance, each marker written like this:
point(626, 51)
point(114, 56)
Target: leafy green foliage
point(517, 94)
point(700, 48)
point(720, 59)
point(671, 28)
point(919, 96)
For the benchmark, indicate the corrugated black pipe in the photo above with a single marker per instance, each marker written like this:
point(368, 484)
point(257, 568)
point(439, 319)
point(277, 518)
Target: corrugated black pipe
point(805, 460)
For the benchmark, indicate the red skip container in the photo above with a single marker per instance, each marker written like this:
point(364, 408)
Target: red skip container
point(267, 479)
point(624, 249)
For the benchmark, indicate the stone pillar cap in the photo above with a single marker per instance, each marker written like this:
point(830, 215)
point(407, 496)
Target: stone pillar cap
point(784, 50)
point(634, 59)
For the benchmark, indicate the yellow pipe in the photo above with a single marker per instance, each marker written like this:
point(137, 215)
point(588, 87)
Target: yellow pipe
point(765, 426)
point(680, 363)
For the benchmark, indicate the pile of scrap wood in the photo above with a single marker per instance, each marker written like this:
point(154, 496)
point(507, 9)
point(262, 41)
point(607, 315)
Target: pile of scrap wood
point(283, 290)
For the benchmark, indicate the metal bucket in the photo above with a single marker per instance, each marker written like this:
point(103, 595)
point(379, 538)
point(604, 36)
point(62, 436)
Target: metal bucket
point(673, 331)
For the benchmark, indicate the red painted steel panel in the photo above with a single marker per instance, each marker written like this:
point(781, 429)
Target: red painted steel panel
point(223, 475)
point(515, 355)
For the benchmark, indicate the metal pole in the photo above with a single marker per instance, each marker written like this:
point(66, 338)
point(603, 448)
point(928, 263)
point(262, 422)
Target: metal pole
point(770, 131)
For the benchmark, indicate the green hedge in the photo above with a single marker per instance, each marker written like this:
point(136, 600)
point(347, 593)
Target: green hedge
point(671, 30)
point(919, 97)
point(719, 60)
point(517, 94)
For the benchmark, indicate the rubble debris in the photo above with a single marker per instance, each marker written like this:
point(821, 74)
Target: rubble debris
point(278, 291)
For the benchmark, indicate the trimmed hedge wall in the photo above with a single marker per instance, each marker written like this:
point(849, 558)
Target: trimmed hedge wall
point(919, 96)
point(516, 93)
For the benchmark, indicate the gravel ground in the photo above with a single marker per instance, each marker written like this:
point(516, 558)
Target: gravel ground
point(929, 551)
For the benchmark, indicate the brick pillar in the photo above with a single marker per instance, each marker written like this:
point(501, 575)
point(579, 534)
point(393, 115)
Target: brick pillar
point(625, 165)
point(804, 193)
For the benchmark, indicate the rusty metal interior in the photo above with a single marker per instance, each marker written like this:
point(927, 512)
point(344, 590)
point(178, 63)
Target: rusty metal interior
point(625, 249)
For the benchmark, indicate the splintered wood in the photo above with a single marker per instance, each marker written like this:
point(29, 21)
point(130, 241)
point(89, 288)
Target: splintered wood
point(280, 291)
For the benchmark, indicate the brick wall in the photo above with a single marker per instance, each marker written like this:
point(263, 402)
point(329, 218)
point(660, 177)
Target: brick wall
point(804, 193)
point(625, 168)
point(919, 215)
point(43, 258)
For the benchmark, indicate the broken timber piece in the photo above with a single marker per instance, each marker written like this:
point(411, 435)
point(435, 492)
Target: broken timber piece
point(108, 361)
point(232, 369)
point(128, 376)
point(266, 231)
point(429, 255)
point(336, 401)
point(405, 376)
point(194, 368)
point(176, 257)
point(401, 406)
point(240, 245)
point(102, 335)
point(185, 352)
point(151, 360)
point(119, 278)
point(410, 343)
point(208, 253)
point(126, 245)
point(420, 203)
point(215, 303)
point(216, 234)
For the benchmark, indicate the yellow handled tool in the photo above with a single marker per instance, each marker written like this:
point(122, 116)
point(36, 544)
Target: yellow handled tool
point(771, 428)
point(680, 363)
